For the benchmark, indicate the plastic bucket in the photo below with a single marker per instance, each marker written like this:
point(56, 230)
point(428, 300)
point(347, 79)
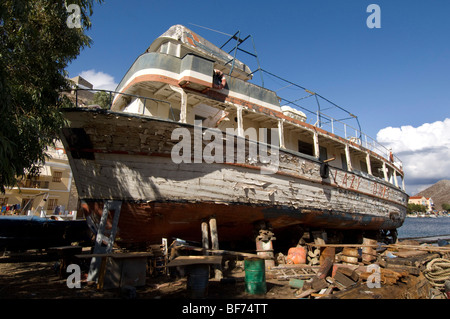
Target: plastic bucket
point(197, 281)
point(296, 255)
point(255, 276)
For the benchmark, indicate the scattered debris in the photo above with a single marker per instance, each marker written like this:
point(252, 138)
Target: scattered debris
point(416, 272)
point(409, 270)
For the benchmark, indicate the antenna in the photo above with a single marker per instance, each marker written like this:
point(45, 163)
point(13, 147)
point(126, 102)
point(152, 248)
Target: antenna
point(239, 41)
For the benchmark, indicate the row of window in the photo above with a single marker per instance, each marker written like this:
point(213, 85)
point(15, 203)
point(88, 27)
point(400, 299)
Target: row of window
point(51, 203)
point(32, 183)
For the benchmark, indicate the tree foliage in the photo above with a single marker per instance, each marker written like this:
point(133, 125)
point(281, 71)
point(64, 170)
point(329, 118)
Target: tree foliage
point(103, 99)
point(36, 45)
point(416, 208)
point(446, 207)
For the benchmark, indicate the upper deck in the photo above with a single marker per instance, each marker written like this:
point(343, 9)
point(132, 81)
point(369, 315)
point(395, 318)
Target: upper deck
point(174, 79)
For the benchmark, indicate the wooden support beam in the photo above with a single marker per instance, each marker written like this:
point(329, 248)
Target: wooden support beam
point(281, 133)
point(348, 158)
point(205, 236)
point(316, 145)
point(369, 166)
point(214, 234)
point(183, 107)
point(240, 130)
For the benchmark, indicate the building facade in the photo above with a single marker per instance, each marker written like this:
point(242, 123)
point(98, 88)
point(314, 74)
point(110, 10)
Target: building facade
point(422, 200)
point(54, 190)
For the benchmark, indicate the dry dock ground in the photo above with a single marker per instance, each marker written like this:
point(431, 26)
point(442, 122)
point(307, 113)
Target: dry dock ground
point(34, 275)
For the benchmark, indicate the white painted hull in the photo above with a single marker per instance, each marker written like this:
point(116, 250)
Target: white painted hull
point(128, 157)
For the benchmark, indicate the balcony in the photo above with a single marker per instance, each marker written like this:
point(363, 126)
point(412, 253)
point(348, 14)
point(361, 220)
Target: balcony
point(34, 184)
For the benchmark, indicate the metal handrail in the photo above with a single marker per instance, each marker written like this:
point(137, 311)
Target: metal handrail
point(114, 94)
point(359, 138)
point(362, 139)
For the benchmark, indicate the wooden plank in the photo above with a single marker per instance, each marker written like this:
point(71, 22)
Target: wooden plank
point(420, 247)
point(341, 245)
point(318, 283)
point(306, 293)
point(118, 255)
point(102, 273)
point(409, 253)
point(195, 260)
point(350, 273)
point(343, 279)
point(295, 266)
point(217, 251)
point(325, 268)
point(413, 270)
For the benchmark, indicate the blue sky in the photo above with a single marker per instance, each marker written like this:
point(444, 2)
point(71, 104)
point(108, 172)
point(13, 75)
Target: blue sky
point(395, 77)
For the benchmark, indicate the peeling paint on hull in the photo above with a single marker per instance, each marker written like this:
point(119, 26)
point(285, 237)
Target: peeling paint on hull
point(149, 222)
point(117, 156)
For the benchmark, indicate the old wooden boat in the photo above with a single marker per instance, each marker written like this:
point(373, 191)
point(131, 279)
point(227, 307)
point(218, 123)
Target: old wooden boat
point(188, 136)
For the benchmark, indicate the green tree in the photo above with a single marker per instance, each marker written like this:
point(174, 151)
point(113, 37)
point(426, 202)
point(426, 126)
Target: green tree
point(36, 45)
point(416, 208)
point(103, 99)
point(446, 207)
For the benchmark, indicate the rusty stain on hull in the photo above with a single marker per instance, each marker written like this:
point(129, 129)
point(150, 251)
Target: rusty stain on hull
point(149, 222)
point(117, 156)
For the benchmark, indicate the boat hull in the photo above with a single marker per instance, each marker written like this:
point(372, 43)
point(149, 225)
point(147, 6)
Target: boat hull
point(117, 156)
point(237, 222)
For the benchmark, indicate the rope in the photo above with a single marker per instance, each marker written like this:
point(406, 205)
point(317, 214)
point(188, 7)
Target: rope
point(437, 272)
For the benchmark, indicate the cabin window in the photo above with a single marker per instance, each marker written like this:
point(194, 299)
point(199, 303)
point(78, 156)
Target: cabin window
point(199, 118)
point(268, 135)
point(176, 114)
point(323, 154)
point(363, 165)
point(305, 148)
point(344, 162)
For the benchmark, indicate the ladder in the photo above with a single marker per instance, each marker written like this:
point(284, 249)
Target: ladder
point(99, 248)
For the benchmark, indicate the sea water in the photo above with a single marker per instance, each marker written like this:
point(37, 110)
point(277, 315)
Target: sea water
point(423, 227)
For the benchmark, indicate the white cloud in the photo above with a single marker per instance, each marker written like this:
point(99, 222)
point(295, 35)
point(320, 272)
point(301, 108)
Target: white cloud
point(424, 150)
point(99, 80)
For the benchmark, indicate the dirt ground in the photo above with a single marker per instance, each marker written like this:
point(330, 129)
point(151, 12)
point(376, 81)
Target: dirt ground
point(34, 275)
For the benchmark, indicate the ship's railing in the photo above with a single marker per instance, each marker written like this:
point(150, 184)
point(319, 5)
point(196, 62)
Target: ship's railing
point(356, 136)
point(337, 126)
point(86, 98)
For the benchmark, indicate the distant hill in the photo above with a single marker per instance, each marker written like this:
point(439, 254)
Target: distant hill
point(439, 192)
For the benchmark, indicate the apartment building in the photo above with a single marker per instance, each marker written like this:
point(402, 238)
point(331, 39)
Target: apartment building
point(422, 200)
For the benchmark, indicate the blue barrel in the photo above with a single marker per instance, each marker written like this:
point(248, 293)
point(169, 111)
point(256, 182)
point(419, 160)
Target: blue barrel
point(255, 276)
point(197, 281)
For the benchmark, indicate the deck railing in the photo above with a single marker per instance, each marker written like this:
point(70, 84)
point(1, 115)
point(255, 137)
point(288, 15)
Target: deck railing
point(354, 135)
point(324, 121)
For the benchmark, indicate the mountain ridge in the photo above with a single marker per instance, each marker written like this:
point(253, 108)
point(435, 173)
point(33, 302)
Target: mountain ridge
point(439, 193)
